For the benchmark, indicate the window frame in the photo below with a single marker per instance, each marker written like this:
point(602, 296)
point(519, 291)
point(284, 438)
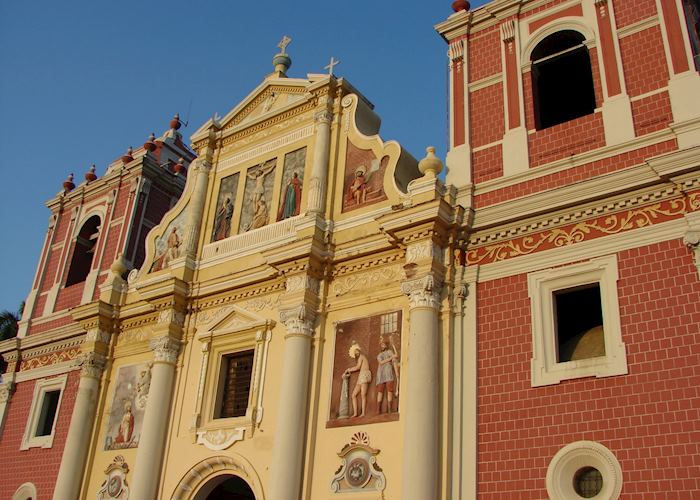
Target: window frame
point(237, 332)
point(545, 367)
point(41, 388)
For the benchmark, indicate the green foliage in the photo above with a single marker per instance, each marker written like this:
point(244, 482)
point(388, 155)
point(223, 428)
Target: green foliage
point(9, 322)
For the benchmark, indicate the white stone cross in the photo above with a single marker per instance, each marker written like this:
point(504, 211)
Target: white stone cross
point(283, 43)
point(331, 65)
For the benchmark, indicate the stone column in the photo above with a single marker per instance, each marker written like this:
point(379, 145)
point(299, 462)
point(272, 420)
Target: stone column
point(70, 474)
point(287, 452)
point(149, 456)
point(196, 206)
point(421, 438)
point(319, 168)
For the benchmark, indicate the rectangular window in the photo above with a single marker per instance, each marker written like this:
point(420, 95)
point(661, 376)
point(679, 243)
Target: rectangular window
point(46, 405)
point(236, 370)
point(47, 416)
point(576, 322)
point(389, 323)
point(691, 9)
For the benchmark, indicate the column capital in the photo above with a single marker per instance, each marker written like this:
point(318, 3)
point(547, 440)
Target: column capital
point(91, 364)
point(299, 321)
point(165, 349)
point(423, 292)
point(323, 116)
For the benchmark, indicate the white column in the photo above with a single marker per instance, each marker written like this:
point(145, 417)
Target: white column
point(70, 474)
point(149, 456)
point(196, 206)
point(287, 452)
point(420, 453)
point(319, 168)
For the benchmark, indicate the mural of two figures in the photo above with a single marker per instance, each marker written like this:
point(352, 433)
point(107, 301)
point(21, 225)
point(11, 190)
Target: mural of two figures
point(128, 406)
point(366, 370)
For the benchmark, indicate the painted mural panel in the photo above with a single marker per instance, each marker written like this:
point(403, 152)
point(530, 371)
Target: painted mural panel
point(225, 203)
point(292, 183)
point(366, 370)
point(364, 178)
point(168, 244)
point(258, 196)
point(128, 406)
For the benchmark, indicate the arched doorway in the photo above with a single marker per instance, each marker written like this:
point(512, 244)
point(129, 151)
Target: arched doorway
point(226, 487)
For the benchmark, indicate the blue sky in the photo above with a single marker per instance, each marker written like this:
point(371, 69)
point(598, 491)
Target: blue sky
point(81, 81)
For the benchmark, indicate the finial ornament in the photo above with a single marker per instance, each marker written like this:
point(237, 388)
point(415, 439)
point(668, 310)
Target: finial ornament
point(90, 174)
point(68, 183)
point(331, 65)
point(430, 166)
point(283, 43)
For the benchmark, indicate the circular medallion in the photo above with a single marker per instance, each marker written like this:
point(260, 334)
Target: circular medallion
point(114, 486)
point(357, 474)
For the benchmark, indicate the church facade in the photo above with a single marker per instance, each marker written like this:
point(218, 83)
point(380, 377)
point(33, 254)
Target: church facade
point(291, 307)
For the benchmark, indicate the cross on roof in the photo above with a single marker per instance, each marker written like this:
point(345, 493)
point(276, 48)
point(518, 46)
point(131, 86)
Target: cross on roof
point(283, 43)
point(331, 65)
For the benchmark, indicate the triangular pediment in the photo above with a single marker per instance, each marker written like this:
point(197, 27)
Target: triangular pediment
point(228, 319)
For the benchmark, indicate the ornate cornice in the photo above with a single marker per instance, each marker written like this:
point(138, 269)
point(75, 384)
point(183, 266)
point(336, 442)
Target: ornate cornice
point(38, 361)
point(423, 292)
point(606, 225)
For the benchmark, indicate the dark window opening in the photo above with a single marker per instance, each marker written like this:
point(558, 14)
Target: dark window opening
point(691, 9)
point(84, 251)
point(562, 80)
point(579, 323)
point(588, 482)
point(47, 415)
point(237, 370)
point(233, 488)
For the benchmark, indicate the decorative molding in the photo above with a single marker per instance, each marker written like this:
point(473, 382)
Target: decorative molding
point(571, 458)
point(508, 32)
point(7, 389)
point(270, 126)
point(132, 337)
point(359, 470)
point(422, 292)
point(637, 27)
point(98, 335)
point(215, 466)
point(165, 349)
point(324, 116)
point(361, 281)
point(171, 316)
point(220, 439)
point(263, 149)
point(300, 282)
point(691, 239)
point(424, 250)
point(114, 487)
point(32, 363)
point(576, 233)
point(456, 50)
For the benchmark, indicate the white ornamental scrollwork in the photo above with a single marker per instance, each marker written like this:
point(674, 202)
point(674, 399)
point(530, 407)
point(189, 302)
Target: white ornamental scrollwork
point(97, 335)
point(6, 391)
point(171, 316)
point(422, 292)
point(343, 285)
point(298, 321)
point(424, 250)
point(91, 364)
point(692, 241)
point(301, 282)
point(220, 439)
point(165, 349)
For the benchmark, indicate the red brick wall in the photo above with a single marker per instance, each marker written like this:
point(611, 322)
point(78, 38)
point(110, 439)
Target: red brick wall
point(37, 465)
point(486, 115)
point(651, 113)
point(644, 61)
point(487, 164)
point(484, 54)
point(650, 418)
point(627, 12)
point(571, 175)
